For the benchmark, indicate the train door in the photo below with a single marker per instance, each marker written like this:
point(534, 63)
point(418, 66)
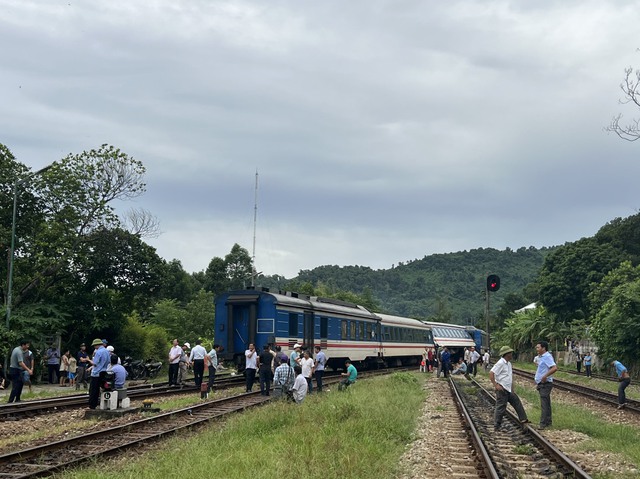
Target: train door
point(309, 331)
point(243, 325)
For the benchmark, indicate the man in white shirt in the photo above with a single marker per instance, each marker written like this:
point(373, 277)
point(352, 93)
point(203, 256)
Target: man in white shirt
point(306, 363)
point(251, 365)
point(196, 358)
point(501, 376)
point(299, 386)
point(486, 358)
point(174, 360)
point(474, 357)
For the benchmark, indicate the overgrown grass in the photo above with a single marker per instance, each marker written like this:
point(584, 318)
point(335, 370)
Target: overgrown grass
point(360, 433)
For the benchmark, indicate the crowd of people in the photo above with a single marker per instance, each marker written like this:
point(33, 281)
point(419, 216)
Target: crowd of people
point(292, 375)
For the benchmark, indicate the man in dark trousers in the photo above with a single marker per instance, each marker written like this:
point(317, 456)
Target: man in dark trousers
point(16, 367)
point(501, 377)
point(100, 362)
point(264, 369)
point(544, 382)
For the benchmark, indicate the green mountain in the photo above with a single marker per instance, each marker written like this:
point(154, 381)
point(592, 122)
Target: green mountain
point(445, 287)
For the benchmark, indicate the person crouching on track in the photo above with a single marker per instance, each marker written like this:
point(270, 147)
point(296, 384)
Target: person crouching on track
point(461, 368)
point(299, 386)
point(283, 379)
point(501, 376)
point(351, 375)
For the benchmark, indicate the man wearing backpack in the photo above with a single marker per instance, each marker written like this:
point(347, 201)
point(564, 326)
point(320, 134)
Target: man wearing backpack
point(283, 379)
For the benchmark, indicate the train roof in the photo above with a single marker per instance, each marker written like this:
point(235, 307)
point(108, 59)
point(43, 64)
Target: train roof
point(389, 319)
point(451, 335)
point(302, 301)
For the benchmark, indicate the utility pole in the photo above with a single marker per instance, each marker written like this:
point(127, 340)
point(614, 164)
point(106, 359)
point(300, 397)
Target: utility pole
point(255, 220)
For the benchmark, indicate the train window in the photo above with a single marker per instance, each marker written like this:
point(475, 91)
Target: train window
point(265, 326)
point(324, 327)
point(361, 327)
point(352, 331)
point(386, 331)
point(368, 331)
point(343, 329)
point(378, 328)
point(293, 325)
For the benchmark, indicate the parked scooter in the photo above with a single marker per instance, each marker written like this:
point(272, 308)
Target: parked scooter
point(139, 369)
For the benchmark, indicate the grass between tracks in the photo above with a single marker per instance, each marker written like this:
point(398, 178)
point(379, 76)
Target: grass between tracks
point(360, 433)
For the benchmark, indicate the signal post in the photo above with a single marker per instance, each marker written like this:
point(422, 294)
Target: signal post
point(493, 285)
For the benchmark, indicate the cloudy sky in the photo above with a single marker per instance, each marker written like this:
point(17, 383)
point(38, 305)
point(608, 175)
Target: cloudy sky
point(382, 131)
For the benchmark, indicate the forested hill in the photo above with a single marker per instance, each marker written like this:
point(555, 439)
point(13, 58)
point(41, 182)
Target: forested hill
point(444, 287)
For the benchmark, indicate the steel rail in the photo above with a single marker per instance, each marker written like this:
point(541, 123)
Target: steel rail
point(49, 458)
point(540, 440)
point(483, 454)
point(597, 394)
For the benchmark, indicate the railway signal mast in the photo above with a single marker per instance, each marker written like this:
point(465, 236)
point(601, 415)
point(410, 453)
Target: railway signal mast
point(493, 285)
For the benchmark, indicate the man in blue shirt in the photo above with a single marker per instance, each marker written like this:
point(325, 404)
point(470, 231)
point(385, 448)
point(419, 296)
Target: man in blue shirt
point(624, 379)
point(101, 361)
point(546, 368)
point(318, 367)
point(119, 371)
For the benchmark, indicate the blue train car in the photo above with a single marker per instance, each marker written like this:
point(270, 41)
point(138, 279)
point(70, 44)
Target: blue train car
point(343, 330)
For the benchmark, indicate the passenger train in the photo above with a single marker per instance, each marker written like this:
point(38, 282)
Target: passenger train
point(343, 330)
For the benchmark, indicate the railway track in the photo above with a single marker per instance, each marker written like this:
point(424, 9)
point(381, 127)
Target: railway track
point(24, 409)
point(591, 393)
point(43, 460)
point(516, 450)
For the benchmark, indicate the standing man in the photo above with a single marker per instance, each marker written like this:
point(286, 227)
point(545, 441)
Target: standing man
point(430, 359)
point(294, 358)
point(196, 358)
point(446, 361)
point(251, 364)
point(544, 382)
point(587, 364)
point(174, 359)
point(307, 363)
point(52, 356)
point(213, 364)
point(485, 359)
point(501, 376)
point(83, 364)
point(264, 368)
point(318, 367)
point(101, 361)
point(623, 379)
point(16, 368)
point(474, 357)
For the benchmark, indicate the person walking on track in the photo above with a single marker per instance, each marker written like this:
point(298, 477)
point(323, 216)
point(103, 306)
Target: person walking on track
point(501, 376)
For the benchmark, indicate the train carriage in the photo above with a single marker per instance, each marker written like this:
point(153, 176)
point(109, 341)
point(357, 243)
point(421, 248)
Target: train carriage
point(344, 330)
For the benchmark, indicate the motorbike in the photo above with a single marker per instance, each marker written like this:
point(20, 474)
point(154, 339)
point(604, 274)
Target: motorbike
point(139, 369)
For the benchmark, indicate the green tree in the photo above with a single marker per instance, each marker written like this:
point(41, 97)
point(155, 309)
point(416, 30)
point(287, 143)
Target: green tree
point(170, 316)
point(616, 326)
point(238, 267)
point(199, 317)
